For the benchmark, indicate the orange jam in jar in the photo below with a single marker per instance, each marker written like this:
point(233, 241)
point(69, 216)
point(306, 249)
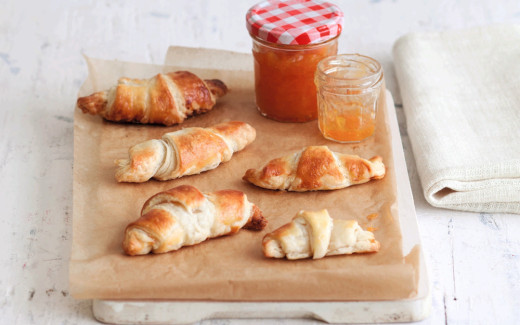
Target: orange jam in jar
point(290, 38)
point(284, 79)
point(349, 87)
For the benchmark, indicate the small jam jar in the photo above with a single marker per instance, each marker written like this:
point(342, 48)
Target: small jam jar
point(290, 37)
point(348, 88)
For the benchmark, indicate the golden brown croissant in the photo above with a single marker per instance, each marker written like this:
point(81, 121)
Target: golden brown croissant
point(185, 216)
point(316, 168)
point(315, 234)
point(164, 99)
point(185, 152)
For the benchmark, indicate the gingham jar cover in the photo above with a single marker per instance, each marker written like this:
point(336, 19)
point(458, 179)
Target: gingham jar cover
point(294, 22)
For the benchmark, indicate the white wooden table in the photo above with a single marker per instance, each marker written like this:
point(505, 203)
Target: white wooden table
point(473, 258)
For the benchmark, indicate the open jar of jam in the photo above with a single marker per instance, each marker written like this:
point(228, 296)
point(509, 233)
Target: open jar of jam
point(290, 37)
point(349, 86)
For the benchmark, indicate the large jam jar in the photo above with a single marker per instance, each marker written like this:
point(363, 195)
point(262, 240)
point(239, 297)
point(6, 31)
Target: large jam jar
point(289, 39)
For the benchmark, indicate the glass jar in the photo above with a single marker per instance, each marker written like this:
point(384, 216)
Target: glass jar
point(348, 89)
point(290, 37)
point(284, 79)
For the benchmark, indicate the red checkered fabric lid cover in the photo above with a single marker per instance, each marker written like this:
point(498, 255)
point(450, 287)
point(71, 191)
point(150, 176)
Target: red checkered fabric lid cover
point(294, 22)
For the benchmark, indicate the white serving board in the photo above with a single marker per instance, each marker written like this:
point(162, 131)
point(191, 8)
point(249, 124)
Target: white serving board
point(406, 310)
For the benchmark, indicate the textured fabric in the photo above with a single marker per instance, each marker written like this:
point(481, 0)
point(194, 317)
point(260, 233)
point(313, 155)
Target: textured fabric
point(461, 97)
point(294, 22)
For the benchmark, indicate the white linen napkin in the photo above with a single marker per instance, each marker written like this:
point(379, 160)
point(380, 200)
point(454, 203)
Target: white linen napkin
point(461, 97)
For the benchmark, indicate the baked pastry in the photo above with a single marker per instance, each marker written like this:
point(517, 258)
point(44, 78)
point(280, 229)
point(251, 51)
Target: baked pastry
point(185, 152)
point(164, 99)
point(315, 234)
point(185, 216)
point(316, 168)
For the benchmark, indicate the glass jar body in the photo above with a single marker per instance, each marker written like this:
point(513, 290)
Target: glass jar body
point(284, 79)
point(348, 89)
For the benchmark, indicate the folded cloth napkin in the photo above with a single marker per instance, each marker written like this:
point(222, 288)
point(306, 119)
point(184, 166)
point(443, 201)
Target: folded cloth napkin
point(461, 97)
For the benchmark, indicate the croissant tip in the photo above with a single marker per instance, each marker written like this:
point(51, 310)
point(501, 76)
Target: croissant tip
point(217, 87)
point(271, 248)
point(377, 246)
point(131, 246)
point(248, 176)
point(92, 104)
point(257, 220)
point(136, 242)
point(380, 168)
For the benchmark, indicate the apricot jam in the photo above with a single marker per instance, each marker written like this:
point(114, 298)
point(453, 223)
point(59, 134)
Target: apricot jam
point(284, 79)
point(349, 87)
point(349, 123)
point(290, 37)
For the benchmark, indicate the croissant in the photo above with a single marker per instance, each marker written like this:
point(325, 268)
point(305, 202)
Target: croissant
point(316, 168)
point(316, 234)
point(164, 99)
point(185, 152)
point(184, 216)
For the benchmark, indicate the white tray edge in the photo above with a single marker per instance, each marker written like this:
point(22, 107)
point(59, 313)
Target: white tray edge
point(126, 312)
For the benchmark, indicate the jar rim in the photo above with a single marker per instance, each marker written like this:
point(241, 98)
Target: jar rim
point(292, 47)
point(349, 57)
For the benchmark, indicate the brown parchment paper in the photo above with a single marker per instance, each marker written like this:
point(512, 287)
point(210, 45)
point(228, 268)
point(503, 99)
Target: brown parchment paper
point(230, 268)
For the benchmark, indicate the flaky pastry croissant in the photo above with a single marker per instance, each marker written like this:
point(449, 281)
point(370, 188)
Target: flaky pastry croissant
point(185, 152)
point(316, 168)
point(315, 234)
point(163, 99)
point(185, 216)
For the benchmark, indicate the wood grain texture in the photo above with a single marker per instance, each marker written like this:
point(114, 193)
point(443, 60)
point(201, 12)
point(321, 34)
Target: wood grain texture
point(474, 259)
